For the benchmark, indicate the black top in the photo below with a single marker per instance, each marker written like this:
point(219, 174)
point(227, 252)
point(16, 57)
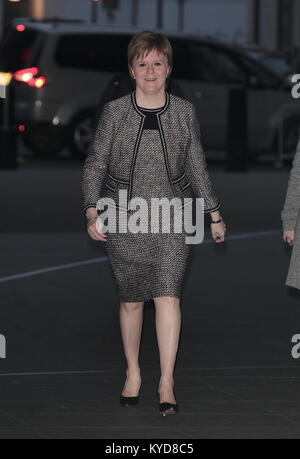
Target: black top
point(120, 85)
point(151, 118)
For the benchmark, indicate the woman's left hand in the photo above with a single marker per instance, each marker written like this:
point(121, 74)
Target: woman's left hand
point(289, 236)
point(218, 231)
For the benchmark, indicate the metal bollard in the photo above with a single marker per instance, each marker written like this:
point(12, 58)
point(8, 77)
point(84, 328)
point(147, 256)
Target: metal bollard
point(8, 131)
point(236, 150)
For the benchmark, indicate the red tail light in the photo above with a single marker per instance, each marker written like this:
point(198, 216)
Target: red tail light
point(20, 28)
point(31, 76)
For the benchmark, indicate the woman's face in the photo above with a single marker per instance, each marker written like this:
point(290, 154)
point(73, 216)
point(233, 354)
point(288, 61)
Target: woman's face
point(150, 72)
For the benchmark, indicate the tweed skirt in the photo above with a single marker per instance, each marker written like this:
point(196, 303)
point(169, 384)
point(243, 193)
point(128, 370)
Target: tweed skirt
point(146, 265)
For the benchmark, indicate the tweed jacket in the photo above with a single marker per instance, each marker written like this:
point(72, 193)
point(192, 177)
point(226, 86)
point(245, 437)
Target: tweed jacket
point(290, 216)
point(110, 162)
point(291, 207)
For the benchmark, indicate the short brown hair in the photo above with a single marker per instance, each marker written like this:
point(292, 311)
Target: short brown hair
point(146, 41)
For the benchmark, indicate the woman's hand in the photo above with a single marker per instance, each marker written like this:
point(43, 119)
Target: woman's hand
point(218, 231)
point(94, 227)
point(288, 236)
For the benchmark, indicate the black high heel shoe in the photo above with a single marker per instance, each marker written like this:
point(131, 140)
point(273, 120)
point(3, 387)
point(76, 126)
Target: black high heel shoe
point(167, 408)
point(129, 401)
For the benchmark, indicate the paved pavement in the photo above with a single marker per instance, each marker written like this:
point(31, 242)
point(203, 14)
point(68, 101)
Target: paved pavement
point(235, 375)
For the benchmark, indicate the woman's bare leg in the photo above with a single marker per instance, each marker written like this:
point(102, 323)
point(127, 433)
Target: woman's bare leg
point(168, 322)
point(131, 322)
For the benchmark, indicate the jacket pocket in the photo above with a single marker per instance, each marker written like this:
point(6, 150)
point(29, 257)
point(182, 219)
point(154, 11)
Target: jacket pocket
point(113, 186)
point(184, 183)
point(111, 183)
point(183, 189)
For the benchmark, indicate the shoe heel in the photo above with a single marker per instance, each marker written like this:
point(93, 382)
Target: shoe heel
point(167, 408)
point(129, 401)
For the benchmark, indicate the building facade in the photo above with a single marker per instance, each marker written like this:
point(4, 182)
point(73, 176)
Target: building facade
point(223, 19)
point(271, 23)
point(274, 23)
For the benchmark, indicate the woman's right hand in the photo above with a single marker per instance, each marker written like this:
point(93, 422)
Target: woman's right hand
point(288, 236)
point(94, 229)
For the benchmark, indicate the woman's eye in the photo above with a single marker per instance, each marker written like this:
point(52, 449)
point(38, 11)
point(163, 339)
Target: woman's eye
point(143, 65)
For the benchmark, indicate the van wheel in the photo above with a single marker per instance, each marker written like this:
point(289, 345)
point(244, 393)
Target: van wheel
point(80, 134)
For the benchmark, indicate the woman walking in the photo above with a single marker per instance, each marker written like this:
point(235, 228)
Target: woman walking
point(290, 216)
point(147, 144)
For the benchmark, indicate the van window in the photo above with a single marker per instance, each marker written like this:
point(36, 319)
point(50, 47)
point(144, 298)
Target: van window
point(214, 65)
point(16, 49)
point(93, 52)
point(265, 78)
point(181, 66)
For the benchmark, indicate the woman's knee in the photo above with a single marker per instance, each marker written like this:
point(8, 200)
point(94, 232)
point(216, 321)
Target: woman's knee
point(131, 306)
point(166, 300)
